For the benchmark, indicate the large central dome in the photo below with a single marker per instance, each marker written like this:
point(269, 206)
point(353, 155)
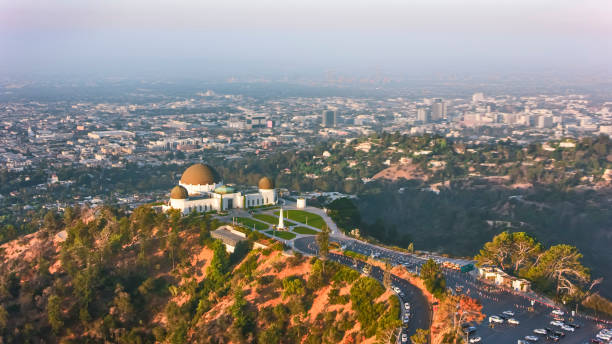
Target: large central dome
point(200, 174)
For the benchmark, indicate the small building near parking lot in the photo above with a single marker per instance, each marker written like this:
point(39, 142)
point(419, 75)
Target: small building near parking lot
point(501, 278)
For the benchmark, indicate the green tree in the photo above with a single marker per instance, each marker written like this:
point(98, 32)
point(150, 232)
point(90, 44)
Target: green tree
point(69, 216)
point(3, 318)
point(54, 313)
point(243, 319)
point(524, 251)
point(323, 242)
point(497, 252)
point(219, 264)
point(344, 213)
point(387, 274)
point(420, 337)
point(123, 304)
point(432, 276)
point(173, 244)
point(293, 286)
point(561, 265)
point(50, 221)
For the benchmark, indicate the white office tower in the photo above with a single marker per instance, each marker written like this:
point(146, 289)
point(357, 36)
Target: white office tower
point(545, 122)
point(281, 222)
point(478, 97)
point(438, 109)
point(423, 114)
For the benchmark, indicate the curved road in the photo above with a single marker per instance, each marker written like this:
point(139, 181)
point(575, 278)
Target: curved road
point(420, 312)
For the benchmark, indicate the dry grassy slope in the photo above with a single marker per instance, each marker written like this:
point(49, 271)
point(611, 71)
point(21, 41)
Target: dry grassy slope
point(402, 171)
point(21, 256)
point(281, 266)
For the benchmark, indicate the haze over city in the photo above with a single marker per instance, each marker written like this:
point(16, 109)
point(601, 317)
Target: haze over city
point(297, 38)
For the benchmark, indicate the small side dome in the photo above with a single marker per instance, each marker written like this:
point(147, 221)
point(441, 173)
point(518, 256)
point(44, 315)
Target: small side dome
point(224, 189)
point(265, 183)
point(179, 192)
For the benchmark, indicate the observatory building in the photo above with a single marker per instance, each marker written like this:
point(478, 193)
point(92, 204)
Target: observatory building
point(201, 189)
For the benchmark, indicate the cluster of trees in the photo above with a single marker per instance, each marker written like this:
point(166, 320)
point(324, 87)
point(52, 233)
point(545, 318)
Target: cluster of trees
point(108, 277)
point(372, 315)
point(432, 276)
point(557, 270)
point(452, 310)
point(112, 282)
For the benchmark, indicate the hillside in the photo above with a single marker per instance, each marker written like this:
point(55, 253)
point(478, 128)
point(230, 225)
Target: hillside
point(100, 276)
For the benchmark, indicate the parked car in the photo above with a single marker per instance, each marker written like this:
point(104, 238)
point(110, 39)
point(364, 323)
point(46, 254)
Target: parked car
point(532, 338)
point(404, 338)
point(469, 329)
point(603, 336)
point(508, 313)
point(540, 331)
point(553, 337)
point(556, 323)
point(496, 319)
point(406, 305)
point(558, 312)
point(513, 321)
point(475, 340)
point(560, 334)
point(567, 328)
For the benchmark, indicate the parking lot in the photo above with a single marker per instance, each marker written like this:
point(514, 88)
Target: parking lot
point(494, 301)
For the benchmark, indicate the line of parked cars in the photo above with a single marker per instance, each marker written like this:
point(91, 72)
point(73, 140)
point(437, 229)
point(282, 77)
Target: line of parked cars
point(505, 316)
point(603, 337)
point(549, 333)
point(406, 317)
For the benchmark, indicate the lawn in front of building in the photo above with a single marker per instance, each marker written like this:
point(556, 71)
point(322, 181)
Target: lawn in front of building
point(250, 223)
point(305, 217)
point(282, 234)
point(304, 230)
point(271, 219)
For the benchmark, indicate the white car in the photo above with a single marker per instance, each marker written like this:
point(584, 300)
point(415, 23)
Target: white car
point(508, 313)
point(475, 340)
point(407, 306)
point(496, 319)
point(540, 331)
point(567, 328)
point(603, 336)
point(513, 321)
point(532, 338)
point(404, 338)
point(556, 323)
point(558, 312)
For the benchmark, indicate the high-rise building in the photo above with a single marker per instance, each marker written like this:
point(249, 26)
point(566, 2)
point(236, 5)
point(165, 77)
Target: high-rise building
point(254, 121)
point(329, 119)
point(438, 109)
point(423, 114)
point(477, 97)
point(545, 122)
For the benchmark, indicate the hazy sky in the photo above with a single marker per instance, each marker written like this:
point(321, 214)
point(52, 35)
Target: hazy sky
point(237, 37)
